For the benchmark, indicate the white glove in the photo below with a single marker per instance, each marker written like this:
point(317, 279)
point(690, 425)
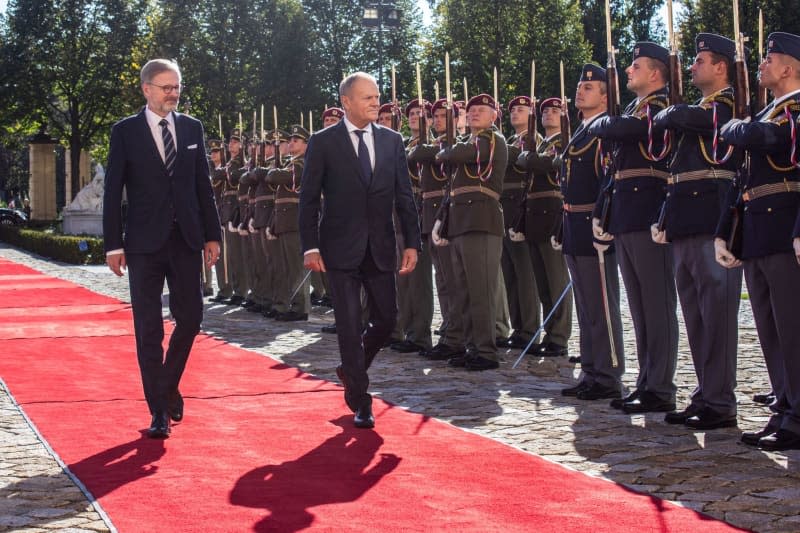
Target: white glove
point(598, 232)
point(514, 236)
point(231, 229)
point(600, 247)
point(270, 236)
point(250, 226)
point(555, 244)
point(437, 240)
point(659, 237)
point(242, 231)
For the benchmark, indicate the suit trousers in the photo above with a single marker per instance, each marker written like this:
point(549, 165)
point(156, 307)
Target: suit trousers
point(520, 287)
point(357, 345)
point(649, 277)
point(415, 308)
point(773, 283)
point(476, 265)
point(550, 273)
point(709, 296)
point(596, 362)
point(180, 266)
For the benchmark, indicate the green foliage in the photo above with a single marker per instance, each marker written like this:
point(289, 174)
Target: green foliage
point(66, 248)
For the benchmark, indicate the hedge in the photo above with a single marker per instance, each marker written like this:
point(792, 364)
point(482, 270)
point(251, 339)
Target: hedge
point(77, 250)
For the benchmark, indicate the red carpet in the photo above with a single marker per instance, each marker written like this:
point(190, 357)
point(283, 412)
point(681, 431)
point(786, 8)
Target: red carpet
point(265, 447)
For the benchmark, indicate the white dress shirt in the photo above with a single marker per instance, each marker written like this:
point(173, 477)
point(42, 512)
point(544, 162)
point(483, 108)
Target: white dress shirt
point(369, 139)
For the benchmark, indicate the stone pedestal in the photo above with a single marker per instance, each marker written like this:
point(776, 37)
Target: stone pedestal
point(85, 173)
point(42, 185)
point(82, 223)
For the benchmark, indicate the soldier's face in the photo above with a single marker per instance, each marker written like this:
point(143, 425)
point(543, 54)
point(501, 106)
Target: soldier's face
point(638, 74)
point(163, 101)
point(413, 118)
point(519, 115)
point(588, 97)
point(216, 158)
point(235, 147)
point(297, 146)
point(775, 68)
point(703, 71)
point(551, 117)
point(440, 120)
point(269, 150)
point(385, 119)
point(330, 120)
point(481, 117)
point(362, 103)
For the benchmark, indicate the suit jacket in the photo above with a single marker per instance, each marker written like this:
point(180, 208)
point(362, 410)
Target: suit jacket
point(156, 199)
point(355, 216)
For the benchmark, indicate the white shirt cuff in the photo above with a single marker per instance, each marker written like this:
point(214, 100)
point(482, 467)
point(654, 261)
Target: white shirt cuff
point(118, 251)
point(311, 251)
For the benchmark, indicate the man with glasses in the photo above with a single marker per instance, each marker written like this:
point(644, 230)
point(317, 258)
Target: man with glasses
point(158, 156)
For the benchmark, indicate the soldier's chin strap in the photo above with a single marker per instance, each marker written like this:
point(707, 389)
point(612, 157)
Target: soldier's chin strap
point(715, 140)
point(666, 140)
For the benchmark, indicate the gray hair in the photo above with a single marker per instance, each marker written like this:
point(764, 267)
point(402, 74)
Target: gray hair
point(154, 67)
point(347, 83)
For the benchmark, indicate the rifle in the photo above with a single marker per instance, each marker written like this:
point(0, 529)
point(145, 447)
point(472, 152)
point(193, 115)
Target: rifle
point(450, 139)
point(395, 107)
point(423, 115)
point(761, 95)
point(532, 143)
point(566, 131)
point(497, 121)
point(224, 163)
point(613, 111)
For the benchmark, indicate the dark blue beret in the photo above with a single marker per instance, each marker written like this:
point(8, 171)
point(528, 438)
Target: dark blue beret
point(652, 50)
point(592, 72)
point(784, 43)
point(710, 42)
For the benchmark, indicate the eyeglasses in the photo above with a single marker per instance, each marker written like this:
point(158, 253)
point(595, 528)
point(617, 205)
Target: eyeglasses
point(168, 88)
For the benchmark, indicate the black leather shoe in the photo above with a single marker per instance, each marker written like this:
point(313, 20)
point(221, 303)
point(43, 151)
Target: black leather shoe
point(478, 363)
point(257, 308)
point(441, 352)
point(406, 347)
point(647, 402)
point(159, 426)
point(752, 437)
point(219, 298)
point(501, 341)
point(710, 419)
point(680, 417)
point(291, 316)
point(329, 329)
point(175, 406)
point(390, 341)
point(208, 292)
point(517, 341)
point(617, 403)
point(363, 417)
point(270, 313)
point(573, 391)
point(574, 359)
point(599, 392)
point(783, 439)
point(326, 301)
point(550, 349)
point(459, 361)
point(248, 303)
point(235, 300)
point(764, 399)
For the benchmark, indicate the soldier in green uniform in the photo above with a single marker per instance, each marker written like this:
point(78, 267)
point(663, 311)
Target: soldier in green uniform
point(286, 180)
point(543, 210)
point(219, 183)
point(230, 219)
point(475, 230)
point(247, 253)
point(251, 239)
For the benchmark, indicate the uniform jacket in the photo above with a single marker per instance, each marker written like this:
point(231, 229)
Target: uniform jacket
point(434, 180)
point(287, 184)
point(542, 213)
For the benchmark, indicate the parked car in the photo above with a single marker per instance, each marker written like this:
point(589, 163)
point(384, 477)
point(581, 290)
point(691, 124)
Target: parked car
point(12, 217)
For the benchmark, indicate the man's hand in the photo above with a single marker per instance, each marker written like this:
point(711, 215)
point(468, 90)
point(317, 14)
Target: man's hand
point(598, 232)
point(555, 244)
point(724, 257)
point(436, 234)
point(211, 253)
point(659, 237)
point(796, 245)
point(409, 261)
point(116, 262)
point(313, 261)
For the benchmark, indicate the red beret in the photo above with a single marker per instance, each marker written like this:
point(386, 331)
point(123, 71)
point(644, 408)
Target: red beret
point(385, 108)
point(550, 102)
point(441, 103)
point(482, 99)
point(415, 103)
point(519, 100)
point(337, 112)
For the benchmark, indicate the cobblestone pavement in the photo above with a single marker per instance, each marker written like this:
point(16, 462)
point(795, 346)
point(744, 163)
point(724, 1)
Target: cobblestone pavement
point(707, 471)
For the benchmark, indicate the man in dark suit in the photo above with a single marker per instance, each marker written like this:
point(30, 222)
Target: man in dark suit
point(158, 157)
point(361, 170)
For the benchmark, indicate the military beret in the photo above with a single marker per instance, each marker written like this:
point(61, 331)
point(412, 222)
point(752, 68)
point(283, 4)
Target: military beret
point(333, 112)
point(592, 72)
point(519, 100)
point(385, 108)
point(214, 145)
point(550, 102)
point(415, 103)
point(441, 103)
point(784, 43)
point(284, 135)
point(482, 99)
point(651, 50)
point(710, 42)
point(300, 132)
point(236, 135)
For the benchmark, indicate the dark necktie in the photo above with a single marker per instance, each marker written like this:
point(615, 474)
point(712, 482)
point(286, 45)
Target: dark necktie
point(169, 146)
point(363, 158)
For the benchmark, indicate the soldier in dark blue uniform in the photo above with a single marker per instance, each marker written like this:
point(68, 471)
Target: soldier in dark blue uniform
point(702, 170)
point(770, 239)
point(581, 179)
point(638, 185)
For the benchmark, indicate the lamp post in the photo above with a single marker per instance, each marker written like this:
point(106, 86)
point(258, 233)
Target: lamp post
point(379, 17)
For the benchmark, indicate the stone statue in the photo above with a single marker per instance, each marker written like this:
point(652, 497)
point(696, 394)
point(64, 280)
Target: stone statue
point(90, 198)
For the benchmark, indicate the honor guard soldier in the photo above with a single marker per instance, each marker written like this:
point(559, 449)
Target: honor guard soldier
point(770, 234)
point(257, 262)
point(581, 178)
point(332, 116)
point(261, 213)
point(219, 181)
point(475, 230)
point(230, 219)
point(285, 228)
point(701, 181)
point(543, 209)
point(415, 291)
point(246, 246)
point(520, 286)
point(435, 184)
point(638, 186)
point(385, 115)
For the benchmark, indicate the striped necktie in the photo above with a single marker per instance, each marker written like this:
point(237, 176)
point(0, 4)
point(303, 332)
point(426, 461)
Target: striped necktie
point(169, 146)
